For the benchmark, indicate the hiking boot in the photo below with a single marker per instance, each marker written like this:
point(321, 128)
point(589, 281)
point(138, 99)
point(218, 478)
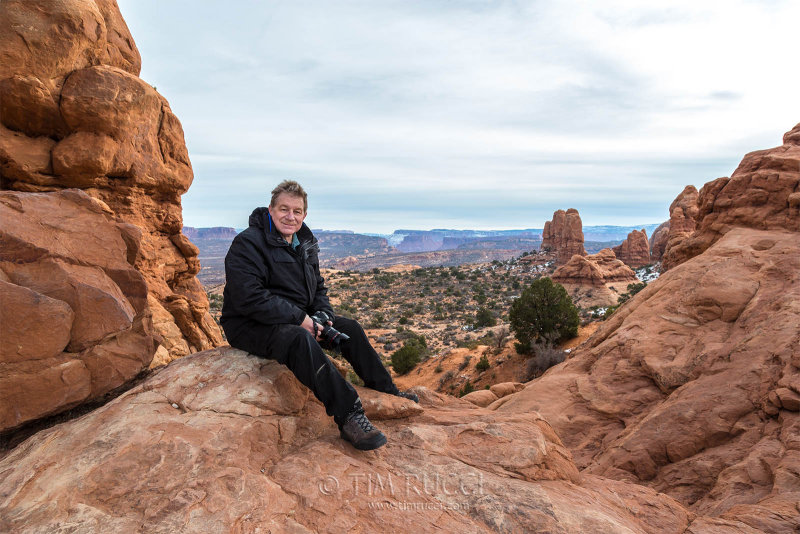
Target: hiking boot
point(407, 394)
point(359, 431)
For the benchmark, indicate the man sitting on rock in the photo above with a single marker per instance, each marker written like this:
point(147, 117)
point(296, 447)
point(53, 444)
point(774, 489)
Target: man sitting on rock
point(273, 289)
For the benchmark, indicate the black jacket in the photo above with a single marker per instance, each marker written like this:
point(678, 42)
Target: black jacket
point(268, 283)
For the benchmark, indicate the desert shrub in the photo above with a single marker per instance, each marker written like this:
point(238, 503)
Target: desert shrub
point(625, 297)
point(632, 290)
point(502, 337)
point(406, 358)
point(215, 301)
point(410, 338)
point(438, 369)
point(468, 388)
point(544, 310)
point(446, 377)
point(544, 357)
point(484, 317)
point(354, 378)
point(377, 320)
point(483, 364)
point(464, 364)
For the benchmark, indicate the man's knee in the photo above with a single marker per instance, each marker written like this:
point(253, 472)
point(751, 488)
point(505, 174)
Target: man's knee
point(288, 341)
point(296, 333)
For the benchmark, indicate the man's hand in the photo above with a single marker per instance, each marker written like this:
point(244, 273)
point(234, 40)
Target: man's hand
point(313, 328)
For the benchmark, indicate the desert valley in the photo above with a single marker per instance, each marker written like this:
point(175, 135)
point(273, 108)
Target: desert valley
point(676, 409)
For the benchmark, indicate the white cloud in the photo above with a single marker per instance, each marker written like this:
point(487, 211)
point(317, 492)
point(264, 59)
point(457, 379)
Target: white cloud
point(530, 105)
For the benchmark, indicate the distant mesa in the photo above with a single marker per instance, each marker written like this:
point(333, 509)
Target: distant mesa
point(435, 240)
point(421, 242)
point(215, 232)
point(635, 250)
point(563, 236)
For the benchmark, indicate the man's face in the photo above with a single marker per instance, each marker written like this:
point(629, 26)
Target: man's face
point(287, 214)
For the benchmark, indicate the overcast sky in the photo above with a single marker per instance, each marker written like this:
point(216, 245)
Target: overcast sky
point(467, 114)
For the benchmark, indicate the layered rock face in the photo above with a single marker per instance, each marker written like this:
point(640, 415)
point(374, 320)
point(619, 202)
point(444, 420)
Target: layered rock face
point(693, 386)
point(635, 250)
point(595, 280)
point(563, 235)
point(74, 314)
point(658, 241)
point(682, 214)
point(763, 193)
point(74, 114)
point(222, 441)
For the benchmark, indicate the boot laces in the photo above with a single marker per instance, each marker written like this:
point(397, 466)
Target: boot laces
point(363, 422)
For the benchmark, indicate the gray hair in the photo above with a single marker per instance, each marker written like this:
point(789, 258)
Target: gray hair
point(290, 187)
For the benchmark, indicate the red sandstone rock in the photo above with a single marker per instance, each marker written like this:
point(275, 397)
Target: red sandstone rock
point(564, 235)
point(635, 250)
point(762, 194)
point(658, 241)
point(75, 321)
point(682, 214)
point(75, 114)
point(675, 390)
point(483, 397)
point(223, 441)
point(595, 280)
point(506, 388)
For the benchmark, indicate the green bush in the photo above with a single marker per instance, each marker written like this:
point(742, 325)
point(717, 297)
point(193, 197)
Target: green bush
point(484, 317)
point(468, 388)
point(543, 311)
point(483, 364)
point(406, 358)
point(625, 297)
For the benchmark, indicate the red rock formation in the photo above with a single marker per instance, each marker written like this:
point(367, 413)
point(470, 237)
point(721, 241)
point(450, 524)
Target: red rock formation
point(635, 250)
point(484, 397)
point(595, 280)
point(682, 223)
point(74, 114)
point(594, 270)
point(658, 241)
point(693, 386)
point(74, 314)
point(679, 389)
point(564, 235)
point(221, 441)
point(763, 193)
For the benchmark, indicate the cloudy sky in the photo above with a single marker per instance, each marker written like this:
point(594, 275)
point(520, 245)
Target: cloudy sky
point(467, 114)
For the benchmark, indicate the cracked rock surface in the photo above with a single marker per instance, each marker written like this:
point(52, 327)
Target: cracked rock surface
point(223, 441)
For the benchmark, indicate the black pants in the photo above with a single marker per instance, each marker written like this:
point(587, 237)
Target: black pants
point(297, 349)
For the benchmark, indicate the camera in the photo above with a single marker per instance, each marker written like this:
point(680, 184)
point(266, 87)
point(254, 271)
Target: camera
point(331, 338)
